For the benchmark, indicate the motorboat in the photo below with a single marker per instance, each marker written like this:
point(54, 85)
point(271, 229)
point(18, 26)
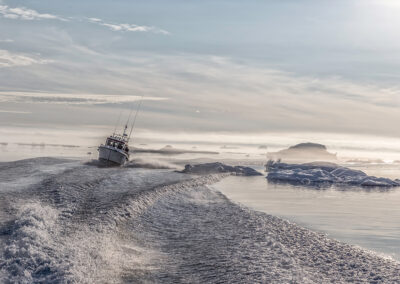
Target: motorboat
point(116, 149)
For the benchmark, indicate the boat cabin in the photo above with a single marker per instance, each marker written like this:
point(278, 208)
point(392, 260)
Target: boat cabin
point(117, 142)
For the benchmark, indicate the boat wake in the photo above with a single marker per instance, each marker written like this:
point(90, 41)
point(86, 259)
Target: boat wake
point(64, 221)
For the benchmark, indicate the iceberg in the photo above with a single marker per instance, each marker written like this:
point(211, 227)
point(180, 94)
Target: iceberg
point(317, 173)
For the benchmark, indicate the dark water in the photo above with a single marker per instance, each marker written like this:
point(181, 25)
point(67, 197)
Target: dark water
point(62, 221)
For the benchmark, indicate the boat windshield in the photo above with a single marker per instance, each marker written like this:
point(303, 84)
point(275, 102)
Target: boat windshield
point(115, 143)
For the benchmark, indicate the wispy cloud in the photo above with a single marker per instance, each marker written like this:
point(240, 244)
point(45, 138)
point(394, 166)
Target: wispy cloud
point(14, 111)
point(245, 98)
point(10, 59)
point(7, 40)
point(22, 13)
point(72, 99)
point(127, 27)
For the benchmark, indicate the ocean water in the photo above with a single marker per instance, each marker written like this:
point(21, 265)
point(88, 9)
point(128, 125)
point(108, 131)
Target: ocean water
point(367, 217)
point(65, 221)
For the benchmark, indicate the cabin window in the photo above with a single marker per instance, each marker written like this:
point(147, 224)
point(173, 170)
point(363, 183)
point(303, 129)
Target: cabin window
point(113, 143)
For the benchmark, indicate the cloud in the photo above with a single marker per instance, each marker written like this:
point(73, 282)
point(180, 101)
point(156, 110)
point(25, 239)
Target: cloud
point(230, 95)
point(9, 59)
point(236, 96)
point(14, 111)
point(71, 99)
point(22, 13)
point(7, 40)
point(127, 27)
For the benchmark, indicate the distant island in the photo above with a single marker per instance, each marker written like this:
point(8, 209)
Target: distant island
point(304, 152)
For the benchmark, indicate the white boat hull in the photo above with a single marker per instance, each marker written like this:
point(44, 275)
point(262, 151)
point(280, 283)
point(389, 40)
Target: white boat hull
point(113, 155)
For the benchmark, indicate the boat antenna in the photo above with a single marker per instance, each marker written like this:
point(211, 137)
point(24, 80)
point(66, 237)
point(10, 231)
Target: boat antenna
point(134, 119)
point(116, 125)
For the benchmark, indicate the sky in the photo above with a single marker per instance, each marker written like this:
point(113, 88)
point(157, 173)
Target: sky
point(209, 71)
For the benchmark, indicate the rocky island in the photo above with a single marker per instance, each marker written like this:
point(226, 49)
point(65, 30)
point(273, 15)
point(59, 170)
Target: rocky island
point(214, 168)
point(303, 152)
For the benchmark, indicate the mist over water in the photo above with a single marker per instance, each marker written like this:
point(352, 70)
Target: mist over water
point(255, 146)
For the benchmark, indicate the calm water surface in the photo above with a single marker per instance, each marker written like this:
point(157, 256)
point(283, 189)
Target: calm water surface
point(369, 218)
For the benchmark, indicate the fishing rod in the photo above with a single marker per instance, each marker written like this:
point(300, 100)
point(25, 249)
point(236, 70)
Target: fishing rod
point(116, 125)
point(127, 122)
point(134, 119)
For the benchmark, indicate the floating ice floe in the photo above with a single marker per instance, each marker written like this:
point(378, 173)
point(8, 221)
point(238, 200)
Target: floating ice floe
point(323, 173)
point(213, 168)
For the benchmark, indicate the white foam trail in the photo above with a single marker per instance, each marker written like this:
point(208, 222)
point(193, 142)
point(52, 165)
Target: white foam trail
point(42, 250)
point(33, 247)
point(53, 244)
point(113, 225)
